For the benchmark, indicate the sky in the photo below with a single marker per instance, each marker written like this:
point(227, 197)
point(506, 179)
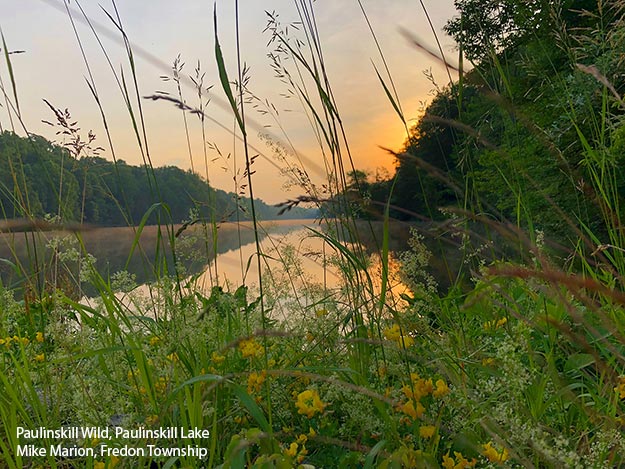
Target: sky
point(56, 66)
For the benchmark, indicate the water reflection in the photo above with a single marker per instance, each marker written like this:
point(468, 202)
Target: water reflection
point(297, 263)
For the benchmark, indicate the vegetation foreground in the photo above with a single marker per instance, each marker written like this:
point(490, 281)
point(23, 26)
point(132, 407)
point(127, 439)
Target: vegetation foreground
point(520, 362)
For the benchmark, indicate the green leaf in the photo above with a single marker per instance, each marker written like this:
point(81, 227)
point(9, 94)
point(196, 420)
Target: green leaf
point(223, 77)
point(11, 75)
point(578, 361)
point(251, 406)
point(390, 96)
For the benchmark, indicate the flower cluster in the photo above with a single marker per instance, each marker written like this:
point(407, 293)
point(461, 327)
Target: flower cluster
point(418, 389)
point(493, 455)
point(395, 334)
point(493, 325)
point(7, 341)
point(16, 341)
point(255, 381)
point(460, 462)
point(309, 403)
point(250, 348)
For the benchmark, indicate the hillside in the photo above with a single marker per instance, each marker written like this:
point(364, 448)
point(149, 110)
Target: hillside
point(36, 176)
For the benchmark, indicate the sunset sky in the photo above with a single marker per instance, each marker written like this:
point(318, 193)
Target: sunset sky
point(53, 68)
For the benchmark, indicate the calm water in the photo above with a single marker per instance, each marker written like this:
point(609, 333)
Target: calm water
point(292, 255)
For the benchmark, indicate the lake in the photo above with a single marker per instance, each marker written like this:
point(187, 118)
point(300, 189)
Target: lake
point(294, 257)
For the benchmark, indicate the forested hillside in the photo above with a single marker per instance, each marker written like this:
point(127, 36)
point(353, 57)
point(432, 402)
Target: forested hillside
point(36, 174)
point(533, 133)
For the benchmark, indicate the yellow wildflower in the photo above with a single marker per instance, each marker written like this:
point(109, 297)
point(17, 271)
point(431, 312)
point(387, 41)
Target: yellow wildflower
point(151, 420)
point(255, 381)
point(25, 341)
point(488, 361)
point(459, 463)
point(172, 357)
point(492, 325)
point(99, 465)
point(448, 462)
point(620, 387)
point(250, 348)
point(441, 389)
point(321, 313)
point(493, 455)
point(309, 403)
point(427, 431)
point(302, 439)
point(217, 358)
point(312, 433)
point(154, 340)
point(410, 410)
point(292, 451)
point(394, 334)
point(39, 337)
point(161, 385)
point(39, 358)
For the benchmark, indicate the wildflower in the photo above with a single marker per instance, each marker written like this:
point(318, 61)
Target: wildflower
point(312, 433)
point(302, 439)
point(25, 341)
point(427, 431)
point(172, 357)
point(255, 381)
point(99, 465)
point(309, 403)
point(250, 348)
point(39, 337)
point(292, 451)
point(321, 313)
point(217, 358)
point(420, 387)
point(394, 334)
point(493, 455)
point(459, 463)
point(39, 358)
point(151, 420)
point(488, 361)
point(448, 463)
point(620, 387)
point(492, 325)
point(441, 389)
point(410, 410)
point(161, 385)
point(154, 340)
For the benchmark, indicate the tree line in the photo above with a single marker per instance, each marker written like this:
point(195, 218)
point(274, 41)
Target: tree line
point(39, 178)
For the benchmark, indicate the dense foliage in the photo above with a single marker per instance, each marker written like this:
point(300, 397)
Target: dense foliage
point(533, 131)
point(39, 178)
